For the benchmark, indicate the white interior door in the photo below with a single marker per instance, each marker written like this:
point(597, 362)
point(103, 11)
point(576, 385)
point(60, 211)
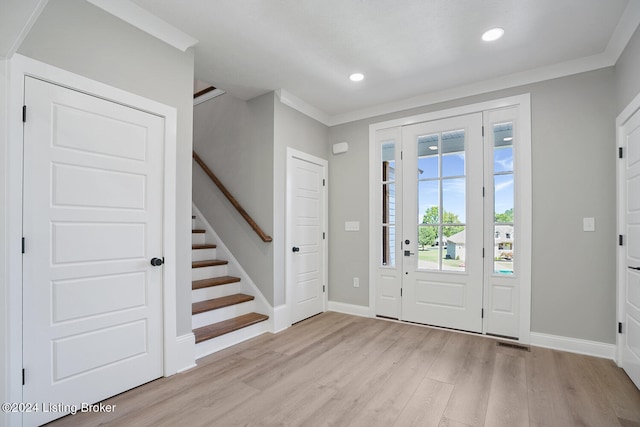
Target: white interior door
point(306, 181)
point(93, 203)
point(630, 289)
point(443, 222)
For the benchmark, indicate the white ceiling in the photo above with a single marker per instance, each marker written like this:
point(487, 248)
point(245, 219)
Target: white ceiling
point(407, 49)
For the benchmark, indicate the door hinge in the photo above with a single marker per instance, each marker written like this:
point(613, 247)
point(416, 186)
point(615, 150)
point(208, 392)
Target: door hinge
point(324, 182)
point(482, 130)
point(24, 376)
point(482, 191)
point(23, 245)
point(323, 235)
point(24, 114)
point(620, 151)
point(323, 289)
point(401, 155)
point(619, 327)
point(482, 313)
point(400, 291)
point(619, 239)
point(482, 252)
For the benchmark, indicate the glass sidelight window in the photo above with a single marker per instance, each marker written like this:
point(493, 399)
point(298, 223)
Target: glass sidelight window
point(441, 201)
point(388, 204)
point(503, 190)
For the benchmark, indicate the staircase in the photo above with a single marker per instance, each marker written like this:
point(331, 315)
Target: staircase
point(223, 307)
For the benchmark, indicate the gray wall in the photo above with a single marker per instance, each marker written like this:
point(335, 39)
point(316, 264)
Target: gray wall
point(79, 37)
point(4, 308)
point(245, 144)
point(296, 130)
point(628, 72)
point(573, 145)
point(235, 139)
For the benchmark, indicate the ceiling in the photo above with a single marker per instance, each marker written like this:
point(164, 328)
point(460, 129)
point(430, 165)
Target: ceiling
point(407, 49)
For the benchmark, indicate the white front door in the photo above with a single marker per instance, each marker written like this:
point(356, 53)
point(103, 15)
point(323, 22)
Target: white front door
point(93, 207)
point(306, 201)
point(442, 227)
point(450, 220)
point(630, 279)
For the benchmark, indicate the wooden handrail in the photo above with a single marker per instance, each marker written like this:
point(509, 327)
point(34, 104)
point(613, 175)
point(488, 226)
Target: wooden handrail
point(265, 237)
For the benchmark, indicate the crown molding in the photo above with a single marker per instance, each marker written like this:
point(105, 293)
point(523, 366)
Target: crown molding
point(147, 22)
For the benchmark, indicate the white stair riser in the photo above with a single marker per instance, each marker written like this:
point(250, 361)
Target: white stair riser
point(214, 292)
point(203, 254)
point(197, 238)
point(208, 272)
point(227, 340)
point(225, 313)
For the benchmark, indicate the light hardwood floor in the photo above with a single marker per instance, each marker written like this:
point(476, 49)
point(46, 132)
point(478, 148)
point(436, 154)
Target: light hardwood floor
point(340, 370)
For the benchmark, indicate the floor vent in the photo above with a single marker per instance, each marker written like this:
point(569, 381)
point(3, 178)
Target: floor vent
point(514, 346)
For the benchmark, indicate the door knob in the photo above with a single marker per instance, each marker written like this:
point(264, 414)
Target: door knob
point(157, 261)
point(295, 249)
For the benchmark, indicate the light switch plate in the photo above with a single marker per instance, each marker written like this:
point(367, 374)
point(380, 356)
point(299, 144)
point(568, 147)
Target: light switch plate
point(352, 226)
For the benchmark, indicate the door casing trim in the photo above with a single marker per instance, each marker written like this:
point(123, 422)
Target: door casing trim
point(19, 68)
point(621, 200)
point(523, 102)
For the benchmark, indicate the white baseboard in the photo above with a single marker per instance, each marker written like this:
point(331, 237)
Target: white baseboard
point(186, 352)
point(574, 345)
point(281, 318)
point(356, 310)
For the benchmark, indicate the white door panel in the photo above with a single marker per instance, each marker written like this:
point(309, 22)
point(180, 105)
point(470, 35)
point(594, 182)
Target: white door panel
point(306, 256)
point(630, 286)
point(442, 184)
point(93, 203)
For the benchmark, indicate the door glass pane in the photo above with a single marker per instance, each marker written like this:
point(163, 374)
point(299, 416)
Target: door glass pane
point(428, 149)
point(453, 200)
point(504, 193)
point(388, 191)
point(428, 247)
point(441, 199)
point(453, 153)
point(428, 202)
point(389, 246)
point(453, 252)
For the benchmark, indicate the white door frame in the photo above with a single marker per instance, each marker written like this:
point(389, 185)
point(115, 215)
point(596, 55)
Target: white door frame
point(20, 67)
point(621, 266)
point(523, 165)
point(289, 279)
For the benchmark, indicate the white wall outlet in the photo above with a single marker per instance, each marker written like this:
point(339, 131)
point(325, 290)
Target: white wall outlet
point(356, 282)
point(588, 224)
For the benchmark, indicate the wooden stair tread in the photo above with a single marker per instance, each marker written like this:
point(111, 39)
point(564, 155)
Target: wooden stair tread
point(208, 263)
point(204, 246)
point(198, 230)
point(211, 331)
point(214, 304)
point(214, 281)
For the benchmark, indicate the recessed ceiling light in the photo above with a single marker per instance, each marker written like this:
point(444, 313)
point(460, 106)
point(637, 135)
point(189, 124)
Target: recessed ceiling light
point(356, 77)
point(492, 34)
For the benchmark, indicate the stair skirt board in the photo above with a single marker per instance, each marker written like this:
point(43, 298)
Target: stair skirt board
point(223, 307)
